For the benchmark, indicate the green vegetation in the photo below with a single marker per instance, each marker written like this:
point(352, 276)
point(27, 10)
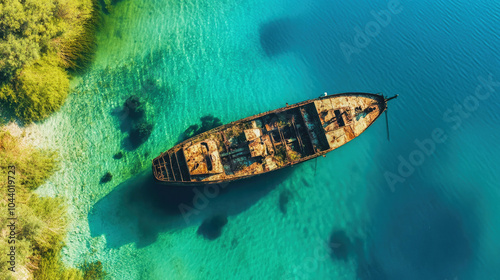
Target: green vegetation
point(41, 221)
point(37, 91)
point(280, 155)
point(237, 132)
point(294, 155)
point(140, 133)
point(39, 39)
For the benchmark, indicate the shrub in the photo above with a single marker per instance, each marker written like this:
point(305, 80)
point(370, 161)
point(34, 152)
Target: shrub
point(48, 214)
point(51, 267)
point(33, 166)
point(25, 29)
point(37, 91)
point(41, 224)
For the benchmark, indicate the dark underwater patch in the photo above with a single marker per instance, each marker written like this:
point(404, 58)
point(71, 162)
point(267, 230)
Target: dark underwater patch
point(118, 155)
point(207, 122)
point(340, 245)
point(137, 210)
point(276, 36)
point(106, 178)
point(140, 133)
point(419, 235)
point(285, 197)
point(211, 228)
point(343, 247)
point(134, 121)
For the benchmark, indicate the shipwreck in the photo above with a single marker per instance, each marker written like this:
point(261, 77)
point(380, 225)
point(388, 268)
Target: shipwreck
point(269, 141)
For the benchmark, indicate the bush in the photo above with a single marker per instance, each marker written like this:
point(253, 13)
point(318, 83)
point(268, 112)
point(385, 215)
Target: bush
point(41, 224)
point(48, 218)
point(37, 90)
point(30, 29)
point(25, 30)
point(51, 267)
point(37, 39)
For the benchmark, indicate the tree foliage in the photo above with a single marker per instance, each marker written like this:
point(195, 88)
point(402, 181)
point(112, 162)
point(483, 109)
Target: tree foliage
point(38, 39)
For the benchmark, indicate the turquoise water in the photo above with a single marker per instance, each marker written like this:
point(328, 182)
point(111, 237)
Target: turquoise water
point(436, 218)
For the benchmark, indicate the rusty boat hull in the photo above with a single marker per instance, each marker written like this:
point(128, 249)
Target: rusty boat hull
point(269, 141)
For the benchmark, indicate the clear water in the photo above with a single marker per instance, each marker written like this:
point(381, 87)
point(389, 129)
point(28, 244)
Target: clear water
point(232, 59)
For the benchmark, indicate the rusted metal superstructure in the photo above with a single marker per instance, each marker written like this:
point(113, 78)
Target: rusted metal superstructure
point(269, 141)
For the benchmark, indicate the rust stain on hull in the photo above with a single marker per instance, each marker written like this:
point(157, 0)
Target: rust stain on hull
point(269, 141)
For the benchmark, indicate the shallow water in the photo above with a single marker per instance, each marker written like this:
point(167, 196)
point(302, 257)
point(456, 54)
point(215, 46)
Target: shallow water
point(232, 59)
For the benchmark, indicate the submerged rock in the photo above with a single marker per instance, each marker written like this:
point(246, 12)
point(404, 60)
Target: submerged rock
point(118, 155)
point(340, 245)
point(140, 133)
point(134, 108)
point(106, 178)
point(211, 228)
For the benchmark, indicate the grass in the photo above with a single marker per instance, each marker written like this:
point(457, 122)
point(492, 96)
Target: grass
point(77, 46)
point(41, 221)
